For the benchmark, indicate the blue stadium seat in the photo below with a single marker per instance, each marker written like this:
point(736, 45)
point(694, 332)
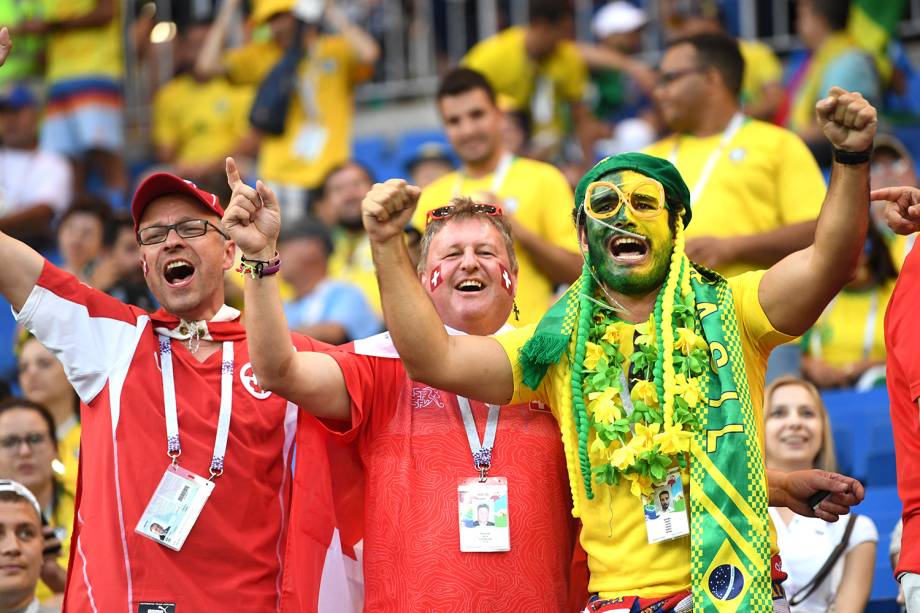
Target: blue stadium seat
point(881, 469)
point(854, 417)
point(883, 506)
point(7, 340)
point(408, 144)
point(375, 153)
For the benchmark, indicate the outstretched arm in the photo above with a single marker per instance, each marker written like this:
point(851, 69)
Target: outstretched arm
point(795, 290)
point(472, 366)
point(313, 381)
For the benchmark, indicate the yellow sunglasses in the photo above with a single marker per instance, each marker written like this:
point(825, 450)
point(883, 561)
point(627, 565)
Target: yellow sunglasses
point(645, 198)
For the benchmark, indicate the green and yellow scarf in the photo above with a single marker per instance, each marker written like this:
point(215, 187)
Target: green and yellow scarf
point(729, 524)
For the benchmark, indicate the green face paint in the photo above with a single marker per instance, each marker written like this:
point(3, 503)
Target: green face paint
point(619, 262)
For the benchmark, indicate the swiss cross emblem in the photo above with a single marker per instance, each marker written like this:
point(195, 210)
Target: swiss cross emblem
point(423, 397)
point(436, 278)
point(249, 381)
point(506, 279)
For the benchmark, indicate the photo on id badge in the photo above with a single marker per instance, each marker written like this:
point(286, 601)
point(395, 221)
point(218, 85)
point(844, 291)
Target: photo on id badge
point(666, 510)
point(484, 516)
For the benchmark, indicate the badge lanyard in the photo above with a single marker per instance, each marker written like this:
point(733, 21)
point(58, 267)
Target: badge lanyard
point(730, 131)
point(868, 332)
point(173, 446)
point(482, 452)
point(498, 177)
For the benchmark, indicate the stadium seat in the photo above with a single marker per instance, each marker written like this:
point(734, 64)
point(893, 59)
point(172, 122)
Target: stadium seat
point(408, 144)
point(375, 153)
point(883, 506)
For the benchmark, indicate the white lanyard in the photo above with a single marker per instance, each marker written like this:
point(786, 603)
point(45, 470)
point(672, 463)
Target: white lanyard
point(734, 125)
point(482, 452)
point(868, 332)
point(173, 446)
point(498, 177)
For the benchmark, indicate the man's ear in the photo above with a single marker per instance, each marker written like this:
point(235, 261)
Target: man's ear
point(229, 254)
point(583, 241)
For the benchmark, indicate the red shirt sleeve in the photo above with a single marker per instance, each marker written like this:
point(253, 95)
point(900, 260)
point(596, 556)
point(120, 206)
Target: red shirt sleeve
point(902, 329)
point(374, 385)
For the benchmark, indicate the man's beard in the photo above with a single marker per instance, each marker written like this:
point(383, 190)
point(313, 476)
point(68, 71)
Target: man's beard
point(352, 224)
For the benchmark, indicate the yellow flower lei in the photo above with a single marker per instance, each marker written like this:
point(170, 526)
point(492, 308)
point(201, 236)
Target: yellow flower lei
point(668, 365)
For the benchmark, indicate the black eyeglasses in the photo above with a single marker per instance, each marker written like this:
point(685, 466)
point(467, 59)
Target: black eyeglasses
point(666, 78)
point(13, 442)
point(190, 228)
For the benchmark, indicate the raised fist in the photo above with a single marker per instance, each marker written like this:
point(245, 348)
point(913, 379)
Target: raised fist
point(387, 208)
point(847, 119)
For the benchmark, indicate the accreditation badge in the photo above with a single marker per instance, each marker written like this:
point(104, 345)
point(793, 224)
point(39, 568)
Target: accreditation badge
point(484, 514)
point(666, 509)
point(174, 507)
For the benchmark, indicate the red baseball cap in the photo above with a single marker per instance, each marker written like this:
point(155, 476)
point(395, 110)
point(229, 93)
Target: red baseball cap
point(163, 184)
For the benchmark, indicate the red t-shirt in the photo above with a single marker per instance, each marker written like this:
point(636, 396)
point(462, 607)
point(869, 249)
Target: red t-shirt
point(902, 340)
point(231, 560)
point(413, 445)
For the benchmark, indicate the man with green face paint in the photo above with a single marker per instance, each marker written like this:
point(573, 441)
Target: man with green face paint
point(654, 370)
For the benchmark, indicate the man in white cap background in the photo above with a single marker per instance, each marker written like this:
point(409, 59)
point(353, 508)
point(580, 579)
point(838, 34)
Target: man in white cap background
point(21, 545)
point(622, 83)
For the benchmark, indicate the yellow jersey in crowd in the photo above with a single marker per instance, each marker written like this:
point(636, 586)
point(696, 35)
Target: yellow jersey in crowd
point(764, 178)
point(317, 135)
point(852, 327)
point(542, 89)
point(202, 121)
point(83, 52)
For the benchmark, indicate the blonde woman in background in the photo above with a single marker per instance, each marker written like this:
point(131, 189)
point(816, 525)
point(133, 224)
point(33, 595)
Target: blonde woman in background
point(42, 379)
point(798, 437)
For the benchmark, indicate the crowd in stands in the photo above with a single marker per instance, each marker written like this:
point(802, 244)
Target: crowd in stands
point(272, 84)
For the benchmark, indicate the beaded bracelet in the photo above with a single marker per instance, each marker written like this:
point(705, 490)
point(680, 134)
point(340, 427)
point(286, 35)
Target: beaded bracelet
point(257, 269)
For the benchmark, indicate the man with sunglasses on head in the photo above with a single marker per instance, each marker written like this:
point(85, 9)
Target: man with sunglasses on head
point(429, 458)
point(755, 187)
point(174, 423)
point(654, 369)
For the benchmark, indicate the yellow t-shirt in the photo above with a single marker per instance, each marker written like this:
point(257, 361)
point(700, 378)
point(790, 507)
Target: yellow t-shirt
point(761, 68)
point(69, 453)
point(839, 336)
point(613, 535)
point(83, 52)
point(351, 261)
point(203, 121)
point(317, 135)
point(764, 179)
point(542, 89)
point(539, 197)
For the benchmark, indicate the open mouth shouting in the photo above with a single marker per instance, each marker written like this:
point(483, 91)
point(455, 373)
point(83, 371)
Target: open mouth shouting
point(178, 272)
point(628, 249)
point(470, 285)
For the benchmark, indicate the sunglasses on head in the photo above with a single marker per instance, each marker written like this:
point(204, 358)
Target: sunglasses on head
point(645, 198)
point(443, 212)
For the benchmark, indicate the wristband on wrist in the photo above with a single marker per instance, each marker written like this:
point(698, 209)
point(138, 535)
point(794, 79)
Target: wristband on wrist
point(259, 268)
point(852, 158)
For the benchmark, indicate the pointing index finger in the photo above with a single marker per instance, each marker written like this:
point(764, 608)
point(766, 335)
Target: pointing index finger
point(233, 173)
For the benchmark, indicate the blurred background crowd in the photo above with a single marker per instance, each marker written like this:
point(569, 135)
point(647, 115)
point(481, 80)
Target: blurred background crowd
point(322, 99)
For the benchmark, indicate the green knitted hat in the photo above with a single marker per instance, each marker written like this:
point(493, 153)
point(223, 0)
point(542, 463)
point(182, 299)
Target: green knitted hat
point(657, 168)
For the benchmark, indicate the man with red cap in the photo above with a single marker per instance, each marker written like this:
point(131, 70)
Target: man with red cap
point(185, 464)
